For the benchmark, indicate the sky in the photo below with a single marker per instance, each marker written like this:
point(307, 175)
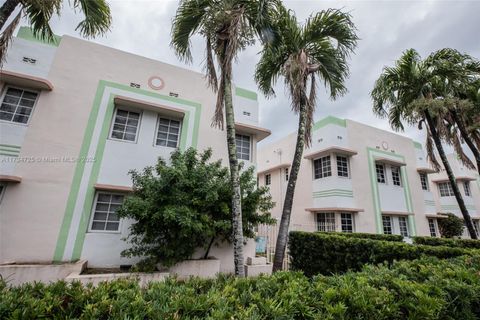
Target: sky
point(385, 29)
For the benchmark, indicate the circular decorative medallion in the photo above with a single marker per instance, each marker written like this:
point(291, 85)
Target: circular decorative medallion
point(156, 83)
point(385, 145)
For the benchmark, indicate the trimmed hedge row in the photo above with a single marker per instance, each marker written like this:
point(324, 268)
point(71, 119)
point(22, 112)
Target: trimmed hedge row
point(458, 243)
point(421, 289)
point(373, 236)
point(317, 253)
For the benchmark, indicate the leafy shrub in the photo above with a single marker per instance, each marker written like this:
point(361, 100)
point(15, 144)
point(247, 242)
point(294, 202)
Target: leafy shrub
point(428, 288)
point(451, 226)
point(373, 236)
point(458, 243)
point(184, 205)
point(317, 253)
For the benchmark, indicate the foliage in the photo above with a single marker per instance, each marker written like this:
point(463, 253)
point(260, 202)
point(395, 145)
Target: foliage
point(451, 226)
point(185, 205)
point(373, 236)
point(316, 253)
point(428, 288)
point(458, 243)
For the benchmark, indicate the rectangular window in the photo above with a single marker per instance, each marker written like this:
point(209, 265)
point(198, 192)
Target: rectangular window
point(432, 227)
point(380, 169)
point(445, 189)
point(347, 222)
point(168, 132)
point(403, 226)
point(326, 221)
point(466, 188)
point(396, 176)
point(125, 125)
point(476, 226)
point(322, 167)
point(105, 217)
point(424, 181)
point(3, 187)
point(387, 225)
point(17, 105)
point(268, 179)
point(243, 147)
point(286, 174)
point(342, 166)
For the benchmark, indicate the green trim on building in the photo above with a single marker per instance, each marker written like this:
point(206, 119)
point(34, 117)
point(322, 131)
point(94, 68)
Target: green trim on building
point(87, 141)
point(329, 120)
point(376, 192)
point(417, 145)
point(247, 94)
point(27, 34)
point(9, 150)
point(447, 207)
point(333, 193)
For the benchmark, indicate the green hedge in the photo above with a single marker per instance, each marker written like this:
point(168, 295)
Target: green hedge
point(421, 289)
point(373, 236)
point(458, 243)
point(318, 253)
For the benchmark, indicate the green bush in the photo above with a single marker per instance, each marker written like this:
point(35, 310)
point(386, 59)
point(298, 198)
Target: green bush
point(458, 243)
point(451, 226)
point(428, 288)
point(373, 236)
point(317, 253)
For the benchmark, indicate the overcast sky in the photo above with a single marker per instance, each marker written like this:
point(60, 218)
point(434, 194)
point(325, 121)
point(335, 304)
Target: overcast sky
point(386, 28)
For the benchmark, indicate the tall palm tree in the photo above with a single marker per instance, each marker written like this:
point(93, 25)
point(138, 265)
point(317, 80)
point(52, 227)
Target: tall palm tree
point(228, 27)
point(301, 54)
point(409, 92)
point(39, 12)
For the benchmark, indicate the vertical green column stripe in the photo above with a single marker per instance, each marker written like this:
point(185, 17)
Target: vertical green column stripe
point(77, 177)
point(374, 189)
point(87, 206)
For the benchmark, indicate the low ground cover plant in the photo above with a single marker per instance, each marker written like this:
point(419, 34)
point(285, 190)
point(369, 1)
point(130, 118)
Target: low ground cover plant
point(427, 288)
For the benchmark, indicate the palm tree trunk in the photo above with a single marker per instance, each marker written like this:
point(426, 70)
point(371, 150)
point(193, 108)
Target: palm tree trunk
point(235, 180)
point(6, 10)
point(282, 237)
point(466, 138)
point(451, 177)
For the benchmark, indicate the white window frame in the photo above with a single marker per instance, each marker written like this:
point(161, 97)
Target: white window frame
point(325, 170)
point(92, 214)
point(396, 175)
point(383, 173)
point(180, 127)
point(433, 228)
point(403, 228)
point(352, 219)
point(445, 189)
point(467, 189)
point(390, 220)
point(347, 165)
point(329, 218)
point(249, 146)
point(128, 109)
point(424, 181)
point(4, 93)
point(476, 226)
point(268, 179)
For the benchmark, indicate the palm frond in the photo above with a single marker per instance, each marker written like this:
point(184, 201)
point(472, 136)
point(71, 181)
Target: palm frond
point(211, 73)
point(6, 37)
point(39, 13)
point(98, 18)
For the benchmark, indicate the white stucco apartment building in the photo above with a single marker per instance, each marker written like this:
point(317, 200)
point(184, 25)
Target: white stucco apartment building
point(75, 117)
point(357, 178)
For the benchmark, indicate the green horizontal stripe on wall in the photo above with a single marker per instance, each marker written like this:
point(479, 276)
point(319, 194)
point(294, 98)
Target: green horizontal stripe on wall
point(329, 190)
point(333, 195)
point(454, 207)
point(417, 145)
point(329, 120)
point(9, 146)
point(8, 154)
point(247, 94)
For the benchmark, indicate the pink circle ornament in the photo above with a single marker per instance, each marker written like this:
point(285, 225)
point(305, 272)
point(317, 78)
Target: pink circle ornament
point(156, 83)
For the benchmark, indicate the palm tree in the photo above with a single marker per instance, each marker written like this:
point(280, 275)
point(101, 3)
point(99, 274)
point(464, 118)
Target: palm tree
point(301, 53)
point(410, 91)
point(38, 12)
point(228, 27)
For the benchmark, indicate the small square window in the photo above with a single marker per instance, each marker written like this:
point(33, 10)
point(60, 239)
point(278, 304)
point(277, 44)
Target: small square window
point(243, 147)
point(445, 189)
point(326, 221)
point(322, 167)
point(396, 176)
point(105, 216)
point(168, 132)
point(125, 125)
point(17, 105)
